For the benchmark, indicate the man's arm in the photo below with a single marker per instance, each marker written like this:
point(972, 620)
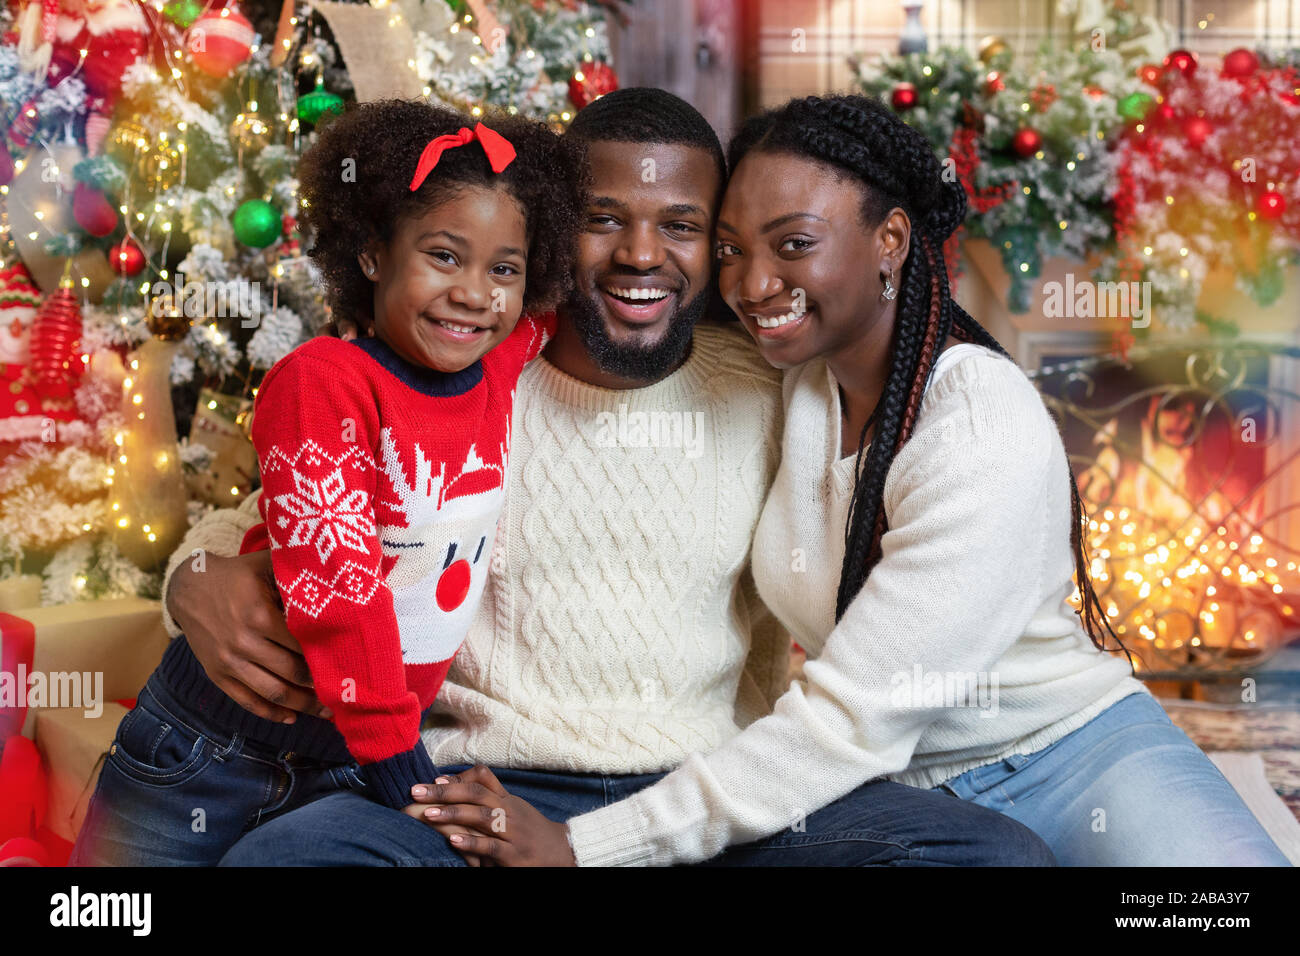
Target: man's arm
point(219, 533)
point(767, 668)
point(228, 608)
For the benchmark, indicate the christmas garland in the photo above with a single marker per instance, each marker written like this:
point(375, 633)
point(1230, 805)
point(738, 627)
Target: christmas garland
point(1155, 172)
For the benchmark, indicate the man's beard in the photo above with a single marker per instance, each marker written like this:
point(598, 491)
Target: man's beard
point(638, 363)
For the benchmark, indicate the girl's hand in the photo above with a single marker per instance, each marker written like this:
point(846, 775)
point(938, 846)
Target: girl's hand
point(494, 826)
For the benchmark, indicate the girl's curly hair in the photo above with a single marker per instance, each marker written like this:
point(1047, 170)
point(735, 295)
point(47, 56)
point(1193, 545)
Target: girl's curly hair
point(354, 188)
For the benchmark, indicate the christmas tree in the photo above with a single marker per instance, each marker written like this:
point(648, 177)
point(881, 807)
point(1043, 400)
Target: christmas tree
point(153, 271)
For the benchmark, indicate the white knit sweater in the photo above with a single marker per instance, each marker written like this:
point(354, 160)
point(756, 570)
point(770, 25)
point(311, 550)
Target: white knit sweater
point(616, 626)
point(973, 580)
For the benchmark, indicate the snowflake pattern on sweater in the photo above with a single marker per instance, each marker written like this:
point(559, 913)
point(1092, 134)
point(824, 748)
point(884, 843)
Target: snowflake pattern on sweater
point(382, 486)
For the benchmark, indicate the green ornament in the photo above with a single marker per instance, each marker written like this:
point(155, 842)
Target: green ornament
point(257, 223)
point(183, 13)
point(457, 6)
point(1135, 106)
point(312, 106)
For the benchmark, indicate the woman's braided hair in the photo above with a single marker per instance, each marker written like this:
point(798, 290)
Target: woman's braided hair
point(898, 169)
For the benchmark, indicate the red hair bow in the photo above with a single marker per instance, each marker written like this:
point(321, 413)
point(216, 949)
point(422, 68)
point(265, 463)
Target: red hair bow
point(500, 153)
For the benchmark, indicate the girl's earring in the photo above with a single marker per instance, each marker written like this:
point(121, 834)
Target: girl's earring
point(890, 292)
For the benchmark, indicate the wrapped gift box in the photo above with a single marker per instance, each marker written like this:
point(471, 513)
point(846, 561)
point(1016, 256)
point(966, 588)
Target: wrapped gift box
point(117, 642)
point(73, 748)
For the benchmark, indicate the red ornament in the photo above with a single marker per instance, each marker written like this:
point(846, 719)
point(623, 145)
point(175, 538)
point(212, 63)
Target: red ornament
point(1184, 61)
point(1096, 92)
point(1197, 130)
point(1271, 205)
point(1027, 142)
point(126, 258)
point(1240, 63)
point(219, 41)
point(1165, 113)
point(1149, 73)
point(592, 81)
point(92, 211)
point(903, 97)
point(6, 166)
point(993, 83)
point(56, 339)
point(1043, 96)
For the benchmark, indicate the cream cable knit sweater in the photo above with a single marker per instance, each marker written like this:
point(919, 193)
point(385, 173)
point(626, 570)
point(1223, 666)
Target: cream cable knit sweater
point(615, 632)
point(974, 577)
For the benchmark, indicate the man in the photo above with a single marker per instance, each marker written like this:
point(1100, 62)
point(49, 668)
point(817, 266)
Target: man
point(620, 630)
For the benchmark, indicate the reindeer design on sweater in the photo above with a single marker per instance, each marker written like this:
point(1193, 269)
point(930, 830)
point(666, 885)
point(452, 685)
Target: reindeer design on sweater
point(437, 532)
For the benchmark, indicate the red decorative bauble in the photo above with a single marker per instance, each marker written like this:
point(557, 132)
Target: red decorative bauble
point(6, 166)
point(56, 339)
point(1165, 113)
point(993, 83)
point(1096, 92)
point(1149, 73)
point(592, 81)
point(1184, 61)
point(1240, 63)
point(1027, 142)
point(126, 258)
point(219, 41)
point(93, 211)
point(1197, 130)
point(903, 97)
point(1271, 205)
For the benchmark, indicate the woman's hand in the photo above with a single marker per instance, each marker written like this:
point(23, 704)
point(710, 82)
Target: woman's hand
point(416, 810)
point(483, 820)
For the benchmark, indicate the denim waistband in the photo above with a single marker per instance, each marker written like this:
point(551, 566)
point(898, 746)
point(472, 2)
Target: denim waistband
point(181, 681)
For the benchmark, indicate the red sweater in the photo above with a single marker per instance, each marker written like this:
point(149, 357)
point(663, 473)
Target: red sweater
point(382, 482)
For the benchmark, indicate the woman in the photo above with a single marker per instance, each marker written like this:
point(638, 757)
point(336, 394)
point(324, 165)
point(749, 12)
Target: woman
point(920, 541)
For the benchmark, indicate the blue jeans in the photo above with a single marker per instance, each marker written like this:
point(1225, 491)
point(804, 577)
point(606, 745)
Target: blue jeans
point(176, 791)
point(880, 823)
point(1128, 788)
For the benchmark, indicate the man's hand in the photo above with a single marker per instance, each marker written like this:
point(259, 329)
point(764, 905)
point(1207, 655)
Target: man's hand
point(231, 616)
point(501, 829)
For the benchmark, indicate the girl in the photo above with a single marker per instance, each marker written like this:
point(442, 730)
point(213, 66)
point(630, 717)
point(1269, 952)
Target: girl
point(925, 491)
point(382, 464)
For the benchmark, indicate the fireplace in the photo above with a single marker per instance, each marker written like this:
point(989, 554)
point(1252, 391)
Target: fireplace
point(1188, 462)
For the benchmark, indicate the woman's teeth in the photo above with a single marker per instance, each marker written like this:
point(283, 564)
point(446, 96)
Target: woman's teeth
point(776, 321)
point(457, 328)
point(639, 294)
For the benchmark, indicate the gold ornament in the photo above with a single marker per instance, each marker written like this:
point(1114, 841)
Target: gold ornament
point(250, 131)
point(166, 319)
point(990, 47)
point(130, 135)
point(161, 166)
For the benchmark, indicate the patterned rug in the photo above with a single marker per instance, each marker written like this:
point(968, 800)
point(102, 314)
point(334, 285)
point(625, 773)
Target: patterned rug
point(1272, 731)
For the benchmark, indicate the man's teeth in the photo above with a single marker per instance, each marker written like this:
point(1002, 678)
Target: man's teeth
point(457, 328)
point(640, 293)
point(776, 321)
